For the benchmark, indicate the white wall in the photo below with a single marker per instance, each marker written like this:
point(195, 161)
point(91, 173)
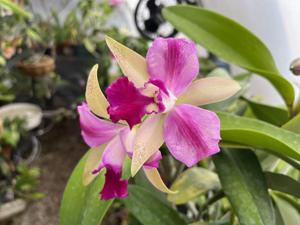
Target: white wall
point(276, 22)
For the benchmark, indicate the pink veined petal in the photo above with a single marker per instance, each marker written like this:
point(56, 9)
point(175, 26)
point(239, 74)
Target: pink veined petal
point(126, 102)
point(209, 90)
point(113, 159)
point(173, 61)
point(127, 138)
point(113, 155)
point(191, 133)
point(153, 161)
point(94, 130)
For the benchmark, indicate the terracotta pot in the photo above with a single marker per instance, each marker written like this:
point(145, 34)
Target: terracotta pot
point(38, 69)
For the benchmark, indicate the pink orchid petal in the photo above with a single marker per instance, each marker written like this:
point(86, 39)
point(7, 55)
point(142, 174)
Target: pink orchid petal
point(126, 102)
point(112, 159)
point(191, 133)
point(209, 90)
point(127, 138)
point(173, 61)
point(94, 130)
point(153, 161)
point(114, 187)
point(113, 155)
point(115, 2)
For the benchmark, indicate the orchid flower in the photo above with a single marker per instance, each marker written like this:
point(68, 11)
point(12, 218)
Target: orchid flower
point(163, 88)
point(110, 143)
point(115, 2)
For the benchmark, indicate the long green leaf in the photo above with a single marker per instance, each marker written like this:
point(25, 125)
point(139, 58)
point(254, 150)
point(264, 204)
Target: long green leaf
point(271, 114)
point(230, 41)
point(244, 184)
point(293, 124)
point(201, 223)
point(81, 204)
point(283, 183)
point(260, 135)
point(149, 209)
point(15, 8)
point(288, 212)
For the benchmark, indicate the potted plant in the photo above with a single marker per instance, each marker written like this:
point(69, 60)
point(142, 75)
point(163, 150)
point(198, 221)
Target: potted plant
point(37, 65)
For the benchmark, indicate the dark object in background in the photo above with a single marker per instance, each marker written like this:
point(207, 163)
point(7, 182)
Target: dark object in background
point(155, 25)
point(295, 67)
point(150, 27)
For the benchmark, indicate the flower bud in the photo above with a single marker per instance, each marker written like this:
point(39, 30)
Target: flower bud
point(295, 67)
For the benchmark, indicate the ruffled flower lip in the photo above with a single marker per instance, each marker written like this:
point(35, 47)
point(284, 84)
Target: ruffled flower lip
point(126, 102)
point(114, 186)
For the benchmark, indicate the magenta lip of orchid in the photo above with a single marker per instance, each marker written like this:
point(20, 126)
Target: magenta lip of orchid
point(161, 88)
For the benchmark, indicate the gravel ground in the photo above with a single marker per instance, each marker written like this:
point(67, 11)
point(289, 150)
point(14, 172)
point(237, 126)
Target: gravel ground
point(62, 147)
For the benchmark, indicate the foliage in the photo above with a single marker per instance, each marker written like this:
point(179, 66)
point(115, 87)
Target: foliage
point(12, 131)
point(17, 180)
point(27, 182)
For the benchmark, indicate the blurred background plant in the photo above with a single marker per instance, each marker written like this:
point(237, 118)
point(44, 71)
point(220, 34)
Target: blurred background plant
point(18, 180)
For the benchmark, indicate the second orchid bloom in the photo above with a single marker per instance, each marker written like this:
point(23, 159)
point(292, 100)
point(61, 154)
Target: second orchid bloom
point(158, 98)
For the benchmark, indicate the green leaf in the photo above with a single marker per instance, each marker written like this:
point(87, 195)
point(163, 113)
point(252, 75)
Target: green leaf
point(34, 35)
point(293, 124)
point(230, 41)
point(149, 209)
point(293, 201)
point(2, 61)
point(15, 8)
point(260, 135)
point(283, 183)
point(201, 223)
point(271, 114)
point(81, 205)
point(244, 184)
point(288, 212)
point(141, 180)
point(126, 174)
point(192, 183)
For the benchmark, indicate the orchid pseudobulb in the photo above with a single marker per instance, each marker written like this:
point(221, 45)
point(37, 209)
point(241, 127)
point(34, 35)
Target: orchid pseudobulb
point(161, 89)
